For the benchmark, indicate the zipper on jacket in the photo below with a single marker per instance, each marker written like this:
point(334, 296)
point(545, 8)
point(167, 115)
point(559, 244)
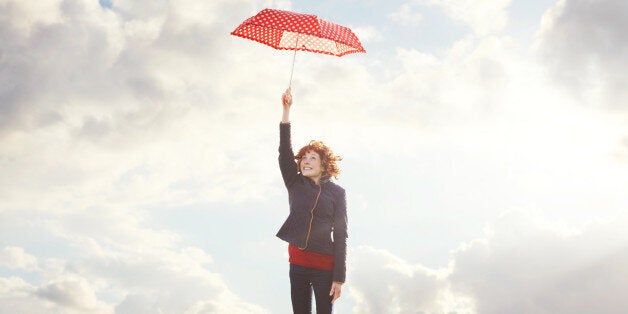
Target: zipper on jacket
point(307, 238)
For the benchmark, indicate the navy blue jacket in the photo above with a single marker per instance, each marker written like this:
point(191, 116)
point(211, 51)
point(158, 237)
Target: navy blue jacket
point(317, 212)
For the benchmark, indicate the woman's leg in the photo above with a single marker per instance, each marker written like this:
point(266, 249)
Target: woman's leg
point(300, 290)
point(321, 282)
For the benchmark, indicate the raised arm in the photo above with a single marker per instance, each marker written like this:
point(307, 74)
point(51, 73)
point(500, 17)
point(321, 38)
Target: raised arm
point(287, 165)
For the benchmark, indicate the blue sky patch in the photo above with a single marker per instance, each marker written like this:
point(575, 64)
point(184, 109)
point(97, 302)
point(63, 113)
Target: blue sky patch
point(105, 4)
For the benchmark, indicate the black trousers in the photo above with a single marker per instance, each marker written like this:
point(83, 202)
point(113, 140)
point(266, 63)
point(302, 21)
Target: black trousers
point(302, 281)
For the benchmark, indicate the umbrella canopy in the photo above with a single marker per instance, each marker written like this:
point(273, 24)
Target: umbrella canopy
point(295, 31)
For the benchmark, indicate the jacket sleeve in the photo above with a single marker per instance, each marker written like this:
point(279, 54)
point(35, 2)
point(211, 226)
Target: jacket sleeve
point(340, 238)
point(287, 165)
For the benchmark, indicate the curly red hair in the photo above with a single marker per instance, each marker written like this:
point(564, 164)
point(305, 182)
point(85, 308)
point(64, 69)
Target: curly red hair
point(328, 159)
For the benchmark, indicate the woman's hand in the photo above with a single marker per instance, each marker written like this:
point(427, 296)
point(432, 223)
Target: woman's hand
point(335, 292)
point(286, 100)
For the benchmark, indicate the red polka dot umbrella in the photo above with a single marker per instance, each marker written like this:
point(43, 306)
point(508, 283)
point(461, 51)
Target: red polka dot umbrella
point(295, 31)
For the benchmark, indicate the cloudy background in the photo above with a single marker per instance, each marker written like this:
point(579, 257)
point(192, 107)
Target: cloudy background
point(485, 149)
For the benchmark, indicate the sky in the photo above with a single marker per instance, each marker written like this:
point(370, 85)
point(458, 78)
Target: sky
point(484, 145)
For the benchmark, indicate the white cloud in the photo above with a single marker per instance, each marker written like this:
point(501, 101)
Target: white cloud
point(106, 111)
point(367, 34)
point(584, 43)
point(16, 258)
point(69, 295)
point(27, 16)
point(524, 264)
point(622, 152)
point(531, 266)
point(95, 104)
point(118, 262)
point(383, 283)
point(470, 79)
point(406, 16)
point(484, 17)
point(73, 292)
point(14, 287)
point(17, 296)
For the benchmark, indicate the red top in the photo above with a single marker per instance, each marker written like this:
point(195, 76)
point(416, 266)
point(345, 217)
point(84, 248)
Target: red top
point(310, 259)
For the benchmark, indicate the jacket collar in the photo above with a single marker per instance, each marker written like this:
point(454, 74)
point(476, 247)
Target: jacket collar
point(323, 180)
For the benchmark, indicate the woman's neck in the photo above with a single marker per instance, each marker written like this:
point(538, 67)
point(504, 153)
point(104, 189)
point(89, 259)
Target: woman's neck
point(316, 180)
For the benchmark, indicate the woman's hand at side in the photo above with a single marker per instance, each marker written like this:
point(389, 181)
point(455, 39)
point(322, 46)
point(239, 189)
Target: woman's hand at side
point(335, 292)
point(286, 101)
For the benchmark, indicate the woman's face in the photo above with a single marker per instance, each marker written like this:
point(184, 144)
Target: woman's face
point(311, 166)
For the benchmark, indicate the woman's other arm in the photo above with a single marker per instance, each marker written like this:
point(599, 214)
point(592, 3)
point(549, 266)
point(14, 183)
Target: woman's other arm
point(340, 246)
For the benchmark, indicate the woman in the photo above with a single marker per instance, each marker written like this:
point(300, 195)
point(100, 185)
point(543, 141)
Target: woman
point(316, 228)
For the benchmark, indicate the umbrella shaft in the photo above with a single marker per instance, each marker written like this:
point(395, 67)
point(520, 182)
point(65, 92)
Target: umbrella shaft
point(293, 58)
point(291, 71)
